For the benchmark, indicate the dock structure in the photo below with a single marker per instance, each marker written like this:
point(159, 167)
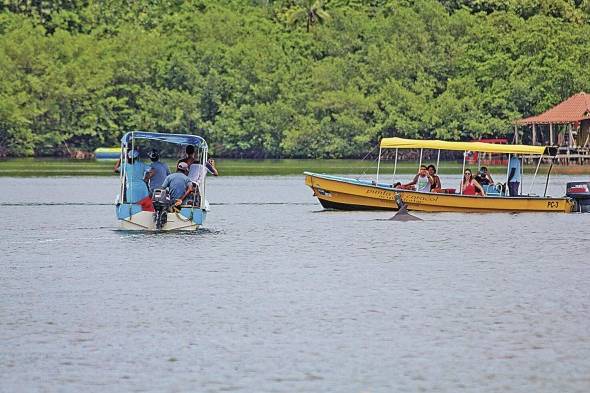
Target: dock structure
point(566, 126)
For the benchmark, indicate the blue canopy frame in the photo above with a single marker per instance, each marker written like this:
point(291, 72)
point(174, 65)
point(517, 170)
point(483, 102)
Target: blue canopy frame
point(178, 139)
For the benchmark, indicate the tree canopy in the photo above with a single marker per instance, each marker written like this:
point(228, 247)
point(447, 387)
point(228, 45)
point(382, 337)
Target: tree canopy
point(277, 79)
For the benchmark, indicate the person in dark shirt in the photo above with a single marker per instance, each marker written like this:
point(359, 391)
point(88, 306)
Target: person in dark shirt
point(157, 171)
point(436, 186)
point(483, 177)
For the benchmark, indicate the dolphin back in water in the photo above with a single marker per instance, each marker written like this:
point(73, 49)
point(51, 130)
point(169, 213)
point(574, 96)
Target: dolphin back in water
point(402, 214)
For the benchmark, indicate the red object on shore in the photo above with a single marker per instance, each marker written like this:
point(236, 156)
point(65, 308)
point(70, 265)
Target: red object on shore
point(474, 157)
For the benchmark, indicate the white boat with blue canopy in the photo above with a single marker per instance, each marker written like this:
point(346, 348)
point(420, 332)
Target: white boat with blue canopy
point(135, 210)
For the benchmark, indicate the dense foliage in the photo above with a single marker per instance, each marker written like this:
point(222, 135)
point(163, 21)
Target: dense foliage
point(282, 78)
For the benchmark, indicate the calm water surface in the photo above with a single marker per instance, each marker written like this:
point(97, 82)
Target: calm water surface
point(276, 295)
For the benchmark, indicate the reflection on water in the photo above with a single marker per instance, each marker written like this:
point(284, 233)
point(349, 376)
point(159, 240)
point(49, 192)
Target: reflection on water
point(275, 294)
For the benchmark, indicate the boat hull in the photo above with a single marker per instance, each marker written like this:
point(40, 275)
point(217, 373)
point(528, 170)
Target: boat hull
point(132, 218)
point(349, 194)
point(352, 194)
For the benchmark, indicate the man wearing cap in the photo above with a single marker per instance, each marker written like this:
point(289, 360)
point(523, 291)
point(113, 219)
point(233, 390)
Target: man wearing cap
point(157, 171)
point(179, 184)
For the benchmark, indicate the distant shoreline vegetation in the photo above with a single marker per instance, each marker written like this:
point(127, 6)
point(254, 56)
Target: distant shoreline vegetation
point(285, 78)
point(34, 167)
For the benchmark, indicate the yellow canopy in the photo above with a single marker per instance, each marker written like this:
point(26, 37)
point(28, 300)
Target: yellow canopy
point(401, 143)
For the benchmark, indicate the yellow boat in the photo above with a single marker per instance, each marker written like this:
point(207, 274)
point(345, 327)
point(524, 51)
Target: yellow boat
point(335, 192)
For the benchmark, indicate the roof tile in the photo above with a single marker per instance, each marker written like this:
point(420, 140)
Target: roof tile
point(575, 108)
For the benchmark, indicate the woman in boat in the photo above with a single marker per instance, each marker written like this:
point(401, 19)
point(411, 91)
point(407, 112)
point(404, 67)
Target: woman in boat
point(436, 186)
point(134, 175)
point(126, 151)
point(469, 185)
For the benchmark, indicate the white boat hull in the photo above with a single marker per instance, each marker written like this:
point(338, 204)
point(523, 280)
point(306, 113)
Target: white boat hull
point(144, 221)
point(188, 219)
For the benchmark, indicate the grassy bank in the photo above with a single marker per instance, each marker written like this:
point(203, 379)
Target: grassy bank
point(58, 167)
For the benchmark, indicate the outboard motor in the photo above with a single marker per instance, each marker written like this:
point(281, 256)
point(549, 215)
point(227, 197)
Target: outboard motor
point(161, 201)
point(580, 193)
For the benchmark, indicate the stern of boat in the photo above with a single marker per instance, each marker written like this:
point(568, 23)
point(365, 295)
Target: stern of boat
point(133, 217)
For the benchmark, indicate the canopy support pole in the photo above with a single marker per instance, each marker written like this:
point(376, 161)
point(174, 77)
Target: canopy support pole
point(535, 175)
point(506, 193)
point(521, 184)
point(122, 175)
point(201, 184)
point(378, 164)
point(205, 159)
point(420, 164)
point(547, 180)
point(394, 168)
point(437, 159)
point(131, 183)
point(463, 172)
point(551, 134)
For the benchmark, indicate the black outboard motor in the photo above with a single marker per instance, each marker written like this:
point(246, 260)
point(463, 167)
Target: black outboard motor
point(579, 191)
point(161, 201)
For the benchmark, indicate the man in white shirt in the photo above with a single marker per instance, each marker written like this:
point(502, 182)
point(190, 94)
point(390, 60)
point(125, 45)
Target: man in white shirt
point(196, 171)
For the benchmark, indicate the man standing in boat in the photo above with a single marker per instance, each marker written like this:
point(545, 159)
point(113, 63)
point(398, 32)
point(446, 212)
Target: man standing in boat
point(422, 180)
point(513, 175)
point(197, 172)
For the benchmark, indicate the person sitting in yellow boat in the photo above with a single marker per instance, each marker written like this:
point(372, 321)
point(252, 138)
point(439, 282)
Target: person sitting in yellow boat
point(436, 186)
point(469, 185)
point(423, 181)
point(483, 177)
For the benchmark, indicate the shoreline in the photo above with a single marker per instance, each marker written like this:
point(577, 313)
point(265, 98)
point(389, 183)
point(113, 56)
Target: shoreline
point(32, 167)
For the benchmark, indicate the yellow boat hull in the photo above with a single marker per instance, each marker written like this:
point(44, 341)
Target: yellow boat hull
point(351, 194)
